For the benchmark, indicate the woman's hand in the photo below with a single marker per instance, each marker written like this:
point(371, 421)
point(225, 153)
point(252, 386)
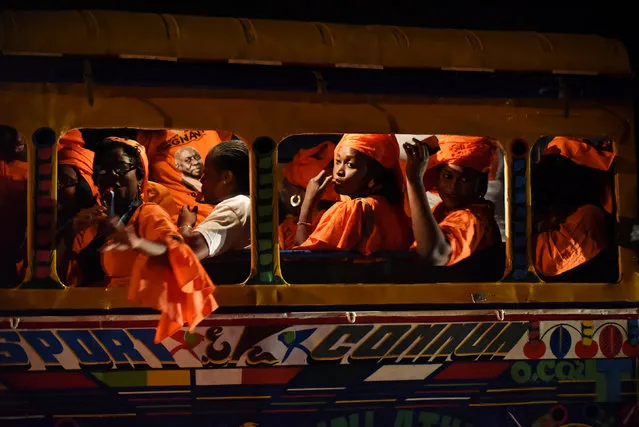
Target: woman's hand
point(89, 217)
point(121, 237)
point(187, 217)
point(416, 160)
point(315, 188)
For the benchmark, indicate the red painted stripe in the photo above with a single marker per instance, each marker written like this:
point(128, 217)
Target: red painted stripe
point(289, 410)
point(338, 320)
point(268, 375)
point(472, 370)
point(46, 380)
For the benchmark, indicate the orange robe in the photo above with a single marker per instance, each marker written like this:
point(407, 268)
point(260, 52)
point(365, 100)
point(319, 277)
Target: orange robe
point(288, 228)
point(159, 194)
point(367, 225)
point(162, 147)
point(13, 214)
point(467, 230)
point(178, 286)
point(577, 240)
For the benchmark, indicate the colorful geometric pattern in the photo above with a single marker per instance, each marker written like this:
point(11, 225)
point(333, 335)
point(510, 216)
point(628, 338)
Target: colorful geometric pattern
point(452, 373)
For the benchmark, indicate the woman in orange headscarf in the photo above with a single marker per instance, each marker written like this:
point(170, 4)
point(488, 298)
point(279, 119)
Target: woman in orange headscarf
point(13, 204)
point(573, 210)
point(141, 247)
point(297, 173)
point(366, 172)
point(464, 222)
point(76, 191)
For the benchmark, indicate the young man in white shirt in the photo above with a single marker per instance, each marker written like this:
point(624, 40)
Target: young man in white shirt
point(225, 184)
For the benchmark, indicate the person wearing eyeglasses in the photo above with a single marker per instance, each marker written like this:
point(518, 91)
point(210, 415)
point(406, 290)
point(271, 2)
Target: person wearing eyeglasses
point(139, 245)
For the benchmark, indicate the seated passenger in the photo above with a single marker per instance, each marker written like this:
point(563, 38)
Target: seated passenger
point(225, 184)
point(366, 170)
point(573, 210)
point(176, 162)
point(297, 173)
point(464, 222)
point(13, 205)
point(140, 246)
point(76, 191)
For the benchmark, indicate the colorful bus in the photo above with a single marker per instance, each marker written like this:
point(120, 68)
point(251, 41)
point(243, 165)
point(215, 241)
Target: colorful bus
point(306, 338)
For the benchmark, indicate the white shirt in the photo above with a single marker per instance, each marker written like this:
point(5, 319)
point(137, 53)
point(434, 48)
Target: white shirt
point(227, 228)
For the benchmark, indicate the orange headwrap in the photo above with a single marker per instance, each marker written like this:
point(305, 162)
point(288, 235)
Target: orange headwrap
point(143, 158)
point(381, 147)
point(307, 163)
point(580, 153)
point(584, 154)
point(473, 152)
point(71, 152)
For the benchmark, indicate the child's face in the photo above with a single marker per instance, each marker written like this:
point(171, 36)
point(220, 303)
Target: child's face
point(117, 171)
point(216, 184)
point(458, 186)
point(349, 172)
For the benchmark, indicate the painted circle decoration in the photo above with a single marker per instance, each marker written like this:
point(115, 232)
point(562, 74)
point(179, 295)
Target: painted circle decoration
point(586, 351)
point(610, 340)
point(560, 342)
point(534, 349)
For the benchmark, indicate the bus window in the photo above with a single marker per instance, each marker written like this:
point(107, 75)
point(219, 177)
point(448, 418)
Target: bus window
point(573, 210)
point(188, 184)
point(345, 209)
point(13, 206)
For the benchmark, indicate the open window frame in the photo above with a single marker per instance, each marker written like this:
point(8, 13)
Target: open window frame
point(261, 122)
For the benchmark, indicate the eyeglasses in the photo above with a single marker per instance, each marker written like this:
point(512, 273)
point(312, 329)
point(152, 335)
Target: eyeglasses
point(118, 173)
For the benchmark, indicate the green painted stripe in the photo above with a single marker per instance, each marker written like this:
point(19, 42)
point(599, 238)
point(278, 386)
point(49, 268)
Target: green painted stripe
point(122, 379)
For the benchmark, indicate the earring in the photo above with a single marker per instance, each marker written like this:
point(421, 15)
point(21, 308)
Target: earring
point(295, 200)
point(371, 184)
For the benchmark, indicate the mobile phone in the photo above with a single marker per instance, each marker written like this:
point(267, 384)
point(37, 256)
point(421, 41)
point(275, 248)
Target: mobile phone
point(108, 197)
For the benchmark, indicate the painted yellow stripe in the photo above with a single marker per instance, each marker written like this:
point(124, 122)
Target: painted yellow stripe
point(232, 397)
point(506, 390)
point(93, 415)
point(366, 401)
point(168, 378)
point(577, 395)
point(539, 402)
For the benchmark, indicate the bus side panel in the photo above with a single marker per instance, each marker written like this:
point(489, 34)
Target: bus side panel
point(395, 371)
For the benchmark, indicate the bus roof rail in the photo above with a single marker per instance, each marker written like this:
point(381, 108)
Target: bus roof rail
point(170, 37)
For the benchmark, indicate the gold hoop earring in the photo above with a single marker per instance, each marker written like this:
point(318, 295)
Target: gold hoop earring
point(295, 200)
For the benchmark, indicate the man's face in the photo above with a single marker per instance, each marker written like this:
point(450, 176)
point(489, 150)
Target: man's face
point(189, 162)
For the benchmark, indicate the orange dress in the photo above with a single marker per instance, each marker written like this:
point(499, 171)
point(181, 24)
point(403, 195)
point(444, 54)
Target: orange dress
point(367, 225)
point(13, 214)
point(577, 240)
point(467, 230)
point(178, 286)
